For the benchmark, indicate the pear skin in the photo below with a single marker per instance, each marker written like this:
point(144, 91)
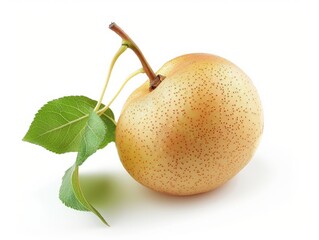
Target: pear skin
point(195, 131)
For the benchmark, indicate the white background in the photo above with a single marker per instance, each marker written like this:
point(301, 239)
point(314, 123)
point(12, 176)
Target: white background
point(51, 49)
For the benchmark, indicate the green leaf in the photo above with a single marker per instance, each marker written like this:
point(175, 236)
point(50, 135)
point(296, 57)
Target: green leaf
point(92, 138)
point(110, 125)
point(67, 194)
point(70, 192)
point(69, 124)
point(59, 124)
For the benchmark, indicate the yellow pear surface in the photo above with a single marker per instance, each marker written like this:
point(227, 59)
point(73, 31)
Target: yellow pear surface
point(195, 131)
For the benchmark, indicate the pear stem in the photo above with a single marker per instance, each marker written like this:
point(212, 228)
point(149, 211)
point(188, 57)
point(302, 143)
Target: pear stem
point(154, 79)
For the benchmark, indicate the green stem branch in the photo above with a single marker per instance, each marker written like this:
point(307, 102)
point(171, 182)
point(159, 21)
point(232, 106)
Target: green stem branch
point(101, 111)
point(116, 56)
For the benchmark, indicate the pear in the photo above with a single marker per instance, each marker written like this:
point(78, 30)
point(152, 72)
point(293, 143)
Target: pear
point(196, 130)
